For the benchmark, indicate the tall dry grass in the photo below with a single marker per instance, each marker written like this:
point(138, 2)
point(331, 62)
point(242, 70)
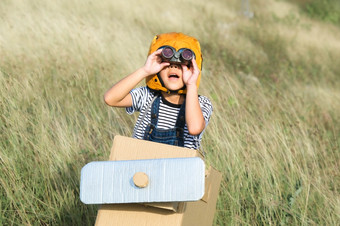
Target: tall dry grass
point(273, 80)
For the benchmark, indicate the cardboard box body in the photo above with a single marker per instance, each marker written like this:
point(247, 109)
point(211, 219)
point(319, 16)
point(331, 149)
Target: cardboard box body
point(184, 213)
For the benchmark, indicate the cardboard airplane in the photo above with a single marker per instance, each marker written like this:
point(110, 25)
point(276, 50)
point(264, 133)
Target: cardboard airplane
point(148, 183)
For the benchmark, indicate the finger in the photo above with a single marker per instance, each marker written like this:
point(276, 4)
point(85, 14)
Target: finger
point(156, 56)
point(184, 67)
point(157, 52)
point(165, 64)
point(193, 61)
point(196, 70)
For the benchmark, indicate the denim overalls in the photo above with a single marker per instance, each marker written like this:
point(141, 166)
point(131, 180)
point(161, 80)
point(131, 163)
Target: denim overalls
point(174, 136)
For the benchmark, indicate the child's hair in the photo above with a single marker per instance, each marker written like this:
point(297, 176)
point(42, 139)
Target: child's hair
point(177, 41)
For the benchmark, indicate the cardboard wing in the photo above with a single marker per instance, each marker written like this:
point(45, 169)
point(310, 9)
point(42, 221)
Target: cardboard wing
point(142, 181)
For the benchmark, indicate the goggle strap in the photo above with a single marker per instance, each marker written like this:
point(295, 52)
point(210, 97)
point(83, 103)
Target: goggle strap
point(160, 80)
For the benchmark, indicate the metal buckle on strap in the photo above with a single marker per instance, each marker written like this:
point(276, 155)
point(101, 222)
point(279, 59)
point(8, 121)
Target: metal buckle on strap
point(151, 128)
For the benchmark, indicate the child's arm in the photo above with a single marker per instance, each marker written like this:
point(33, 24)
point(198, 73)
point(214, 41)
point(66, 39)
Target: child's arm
point(119, 94)
point(193, 113)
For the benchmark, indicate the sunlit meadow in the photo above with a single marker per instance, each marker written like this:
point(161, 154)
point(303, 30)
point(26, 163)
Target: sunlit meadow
point(271, 71)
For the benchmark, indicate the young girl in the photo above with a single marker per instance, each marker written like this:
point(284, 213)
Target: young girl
point(171, 111)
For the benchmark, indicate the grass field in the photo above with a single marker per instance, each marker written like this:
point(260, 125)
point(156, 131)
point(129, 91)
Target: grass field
point(274, 80)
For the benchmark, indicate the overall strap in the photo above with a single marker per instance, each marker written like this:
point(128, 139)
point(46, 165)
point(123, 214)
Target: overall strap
point(180, 123)
point(155, 110)
point(156, 95)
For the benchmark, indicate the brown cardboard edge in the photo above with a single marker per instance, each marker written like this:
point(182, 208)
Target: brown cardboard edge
point(172, 206)
point(135, 214)
point(162, 150)
point(205, 209)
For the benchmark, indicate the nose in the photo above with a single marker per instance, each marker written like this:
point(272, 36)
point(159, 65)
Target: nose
point(174, 66)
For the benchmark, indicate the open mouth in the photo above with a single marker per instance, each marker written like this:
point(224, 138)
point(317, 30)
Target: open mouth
point(173, 76)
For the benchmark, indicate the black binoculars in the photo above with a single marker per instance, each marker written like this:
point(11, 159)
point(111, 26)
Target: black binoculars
point(182, 56)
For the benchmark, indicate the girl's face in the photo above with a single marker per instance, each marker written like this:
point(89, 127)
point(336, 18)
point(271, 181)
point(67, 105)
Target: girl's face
point(172, 77)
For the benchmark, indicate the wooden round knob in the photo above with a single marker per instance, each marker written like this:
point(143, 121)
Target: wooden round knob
point(140, 179)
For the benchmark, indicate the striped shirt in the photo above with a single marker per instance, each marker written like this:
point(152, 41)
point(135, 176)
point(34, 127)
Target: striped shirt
point(142, 98)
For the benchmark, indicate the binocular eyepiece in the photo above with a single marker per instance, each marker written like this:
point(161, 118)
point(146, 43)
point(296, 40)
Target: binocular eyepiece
point(182, 56)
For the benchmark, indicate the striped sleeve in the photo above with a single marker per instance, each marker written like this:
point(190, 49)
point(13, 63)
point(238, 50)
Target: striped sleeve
point(139, 98)
point(206, 108)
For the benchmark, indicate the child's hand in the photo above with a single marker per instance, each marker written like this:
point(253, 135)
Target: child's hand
point(154, 63)
point(190, 75)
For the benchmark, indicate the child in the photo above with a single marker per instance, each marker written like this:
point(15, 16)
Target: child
point(171, 111)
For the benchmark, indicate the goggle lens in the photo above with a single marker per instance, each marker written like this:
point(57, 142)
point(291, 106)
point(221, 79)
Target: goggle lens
point(187, 54)
point(167, 52)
